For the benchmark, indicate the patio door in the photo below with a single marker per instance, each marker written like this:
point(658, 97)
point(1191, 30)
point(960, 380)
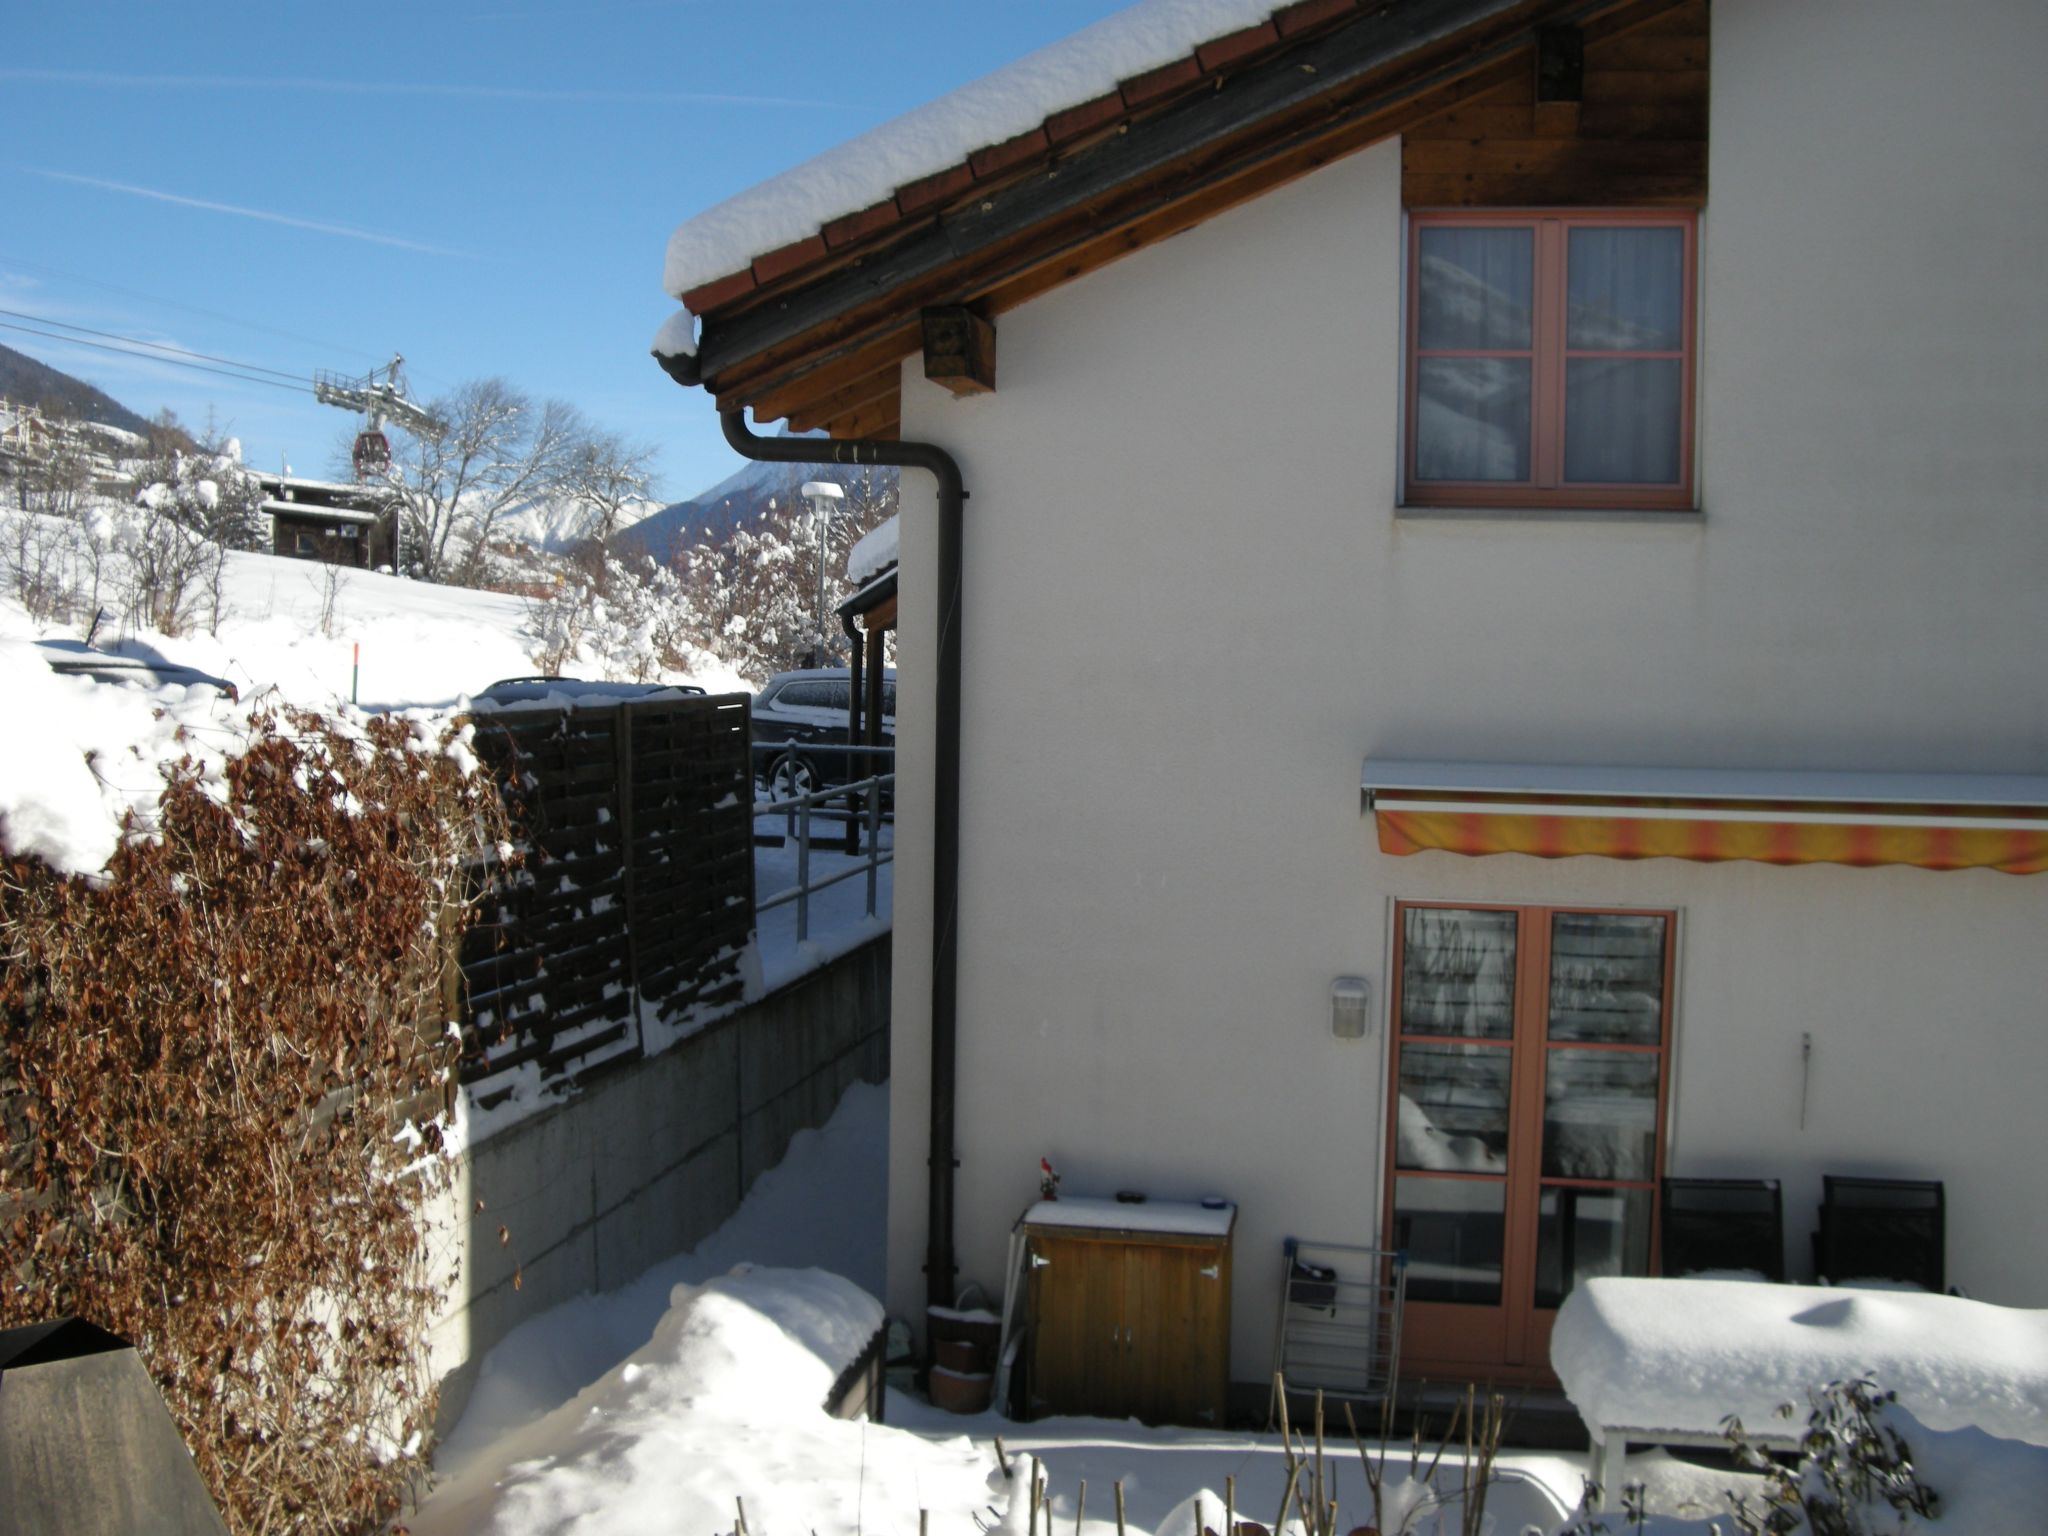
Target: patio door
point(1526, 1133)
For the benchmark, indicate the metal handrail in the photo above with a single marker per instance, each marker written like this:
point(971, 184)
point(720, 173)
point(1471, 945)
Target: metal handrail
point(801, 808)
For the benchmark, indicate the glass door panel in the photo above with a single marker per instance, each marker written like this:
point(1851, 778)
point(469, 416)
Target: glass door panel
point(1581, 1233)
point(1607, 977)
point(1452, 1231)
point(1453, 1111)
point(1458, 973)
point(1600, 1115)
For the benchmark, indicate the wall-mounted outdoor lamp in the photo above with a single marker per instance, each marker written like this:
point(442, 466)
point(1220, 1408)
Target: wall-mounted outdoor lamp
point(1350, 1007)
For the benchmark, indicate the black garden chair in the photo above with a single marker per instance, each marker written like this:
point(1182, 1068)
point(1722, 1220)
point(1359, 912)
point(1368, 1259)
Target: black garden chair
point(1882, 1229)
point(1723, 1224)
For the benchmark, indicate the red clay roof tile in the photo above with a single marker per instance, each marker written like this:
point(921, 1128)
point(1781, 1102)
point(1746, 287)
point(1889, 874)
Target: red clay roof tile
point(927, 190)
point(1229, 49)
point(1310, 13)
point(1154, 83)
point(779, 263)
point(856, 225)
point(1090, 115)
point(998, 158)
point(699, 301)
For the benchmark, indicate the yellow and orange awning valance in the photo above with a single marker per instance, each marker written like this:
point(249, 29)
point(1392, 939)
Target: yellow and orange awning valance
point(1929, 821)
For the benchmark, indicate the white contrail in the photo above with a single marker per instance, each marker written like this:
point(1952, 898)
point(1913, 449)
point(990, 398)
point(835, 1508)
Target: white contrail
point(401, 88)
point(319, 226)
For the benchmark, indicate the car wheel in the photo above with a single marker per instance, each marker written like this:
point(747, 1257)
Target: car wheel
point(791, 775)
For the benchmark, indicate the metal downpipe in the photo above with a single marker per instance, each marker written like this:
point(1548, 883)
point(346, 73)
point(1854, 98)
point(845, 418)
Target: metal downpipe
point(940, 1266)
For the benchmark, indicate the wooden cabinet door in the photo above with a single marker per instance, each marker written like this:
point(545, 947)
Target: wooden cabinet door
point(1077, 1311)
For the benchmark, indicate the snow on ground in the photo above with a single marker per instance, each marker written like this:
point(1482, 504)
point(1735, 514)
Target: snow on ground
point(651, 1407)
point(838, 918)
point(420, 643)
point(291, 632)
point(587, 1418)
point(84, 754)
point(1013, 100)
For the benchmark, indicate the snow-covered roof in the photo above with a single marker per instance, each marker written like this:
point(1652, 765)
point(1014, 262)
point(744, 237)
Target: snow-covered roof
point(928, 139)
point(301, 483)
point(874, 554)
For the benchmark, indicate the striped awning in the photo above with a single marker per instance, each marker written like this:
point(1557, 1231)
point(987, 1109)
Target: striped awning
point(1929, 821)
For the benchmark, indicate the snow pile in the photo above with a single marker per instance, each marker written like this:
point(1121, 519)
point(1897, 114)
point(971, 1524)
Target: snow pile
point(724, 1403)
point(1987, 1486)
point(85, 755)
point(942, 133)
point(1684, 1354)
point(874, 554)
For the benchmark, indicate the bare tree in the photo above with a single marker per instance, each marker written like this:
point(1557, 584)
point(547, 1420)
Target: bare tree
point(608, 475)
point(499, 448)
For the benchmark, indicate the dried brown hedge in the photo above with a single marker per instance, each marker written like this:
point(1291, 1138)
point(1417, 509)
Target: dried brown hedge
point(206, 1054)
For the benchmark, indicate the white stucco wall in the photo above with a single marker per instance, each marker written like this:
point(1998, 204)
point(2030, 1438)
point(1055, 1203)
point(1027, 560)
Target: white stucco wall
point(1192, 611)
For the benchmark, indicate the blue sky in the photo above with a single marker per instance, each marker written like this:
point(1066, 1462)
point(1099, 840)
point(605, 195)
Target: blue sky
point(483, 185)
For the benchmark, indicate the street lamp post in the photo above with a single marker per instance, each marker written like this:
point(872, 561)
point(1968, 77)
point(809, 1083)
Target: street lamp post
point(823, 497)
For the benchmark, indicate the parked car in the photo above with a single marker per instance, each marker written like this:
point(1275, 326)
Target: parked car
point(529, 690)
point(807, 709)
point(73, 659)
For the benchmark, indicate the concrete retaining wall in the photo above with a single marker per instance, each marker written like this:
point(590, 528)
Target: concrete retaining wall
point(648, 1161)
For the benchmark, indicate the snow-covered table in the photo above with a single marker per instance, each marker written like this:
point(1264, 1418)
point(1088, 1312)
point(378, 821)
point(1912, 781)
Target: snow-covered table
point(1666, 1361)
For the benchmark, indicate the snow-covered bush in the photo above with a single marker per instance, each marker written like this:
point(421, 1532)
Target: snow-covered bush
point(220, 1059)
point(1856, 1476)
point(615, 620)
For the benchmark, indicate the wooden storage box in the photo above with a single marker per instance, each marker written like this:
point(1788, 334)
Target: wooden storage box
point(1129, 1309)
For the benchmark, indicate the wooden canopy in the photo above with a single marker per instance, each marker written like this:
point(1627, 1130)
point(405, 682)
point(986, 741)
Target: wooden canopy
point(1503, 102)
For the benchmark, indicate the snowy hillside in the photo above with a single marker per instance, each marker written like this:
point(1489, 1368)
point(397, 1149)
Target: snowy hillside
point(420, 644)
point(557, 527)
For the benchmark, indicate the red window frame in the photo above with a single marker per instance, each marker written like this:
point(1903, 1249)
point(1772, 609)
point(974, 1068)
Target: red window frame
point(1546, 485)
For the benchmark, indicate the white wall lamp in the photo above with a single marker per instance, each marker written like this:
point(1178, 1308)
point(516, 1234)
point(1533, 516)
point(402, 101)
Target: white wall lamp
point(1350, 1007)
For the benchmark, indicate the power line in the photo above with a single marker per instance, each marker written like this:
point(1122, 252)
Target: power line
point(160, 346)
point(174, 362)
point(240, 321)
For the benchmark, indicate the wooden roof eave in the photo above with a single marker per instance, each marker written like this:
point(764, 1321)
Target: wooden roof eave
point(786, 349)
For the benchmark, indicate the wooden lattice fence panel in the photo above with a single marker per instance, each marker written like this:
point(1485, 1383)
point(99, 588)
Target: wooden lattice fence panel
point(635, 885)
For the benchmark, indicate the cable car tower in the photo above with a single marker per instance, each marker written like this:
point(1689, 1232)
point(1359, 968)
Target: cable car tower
point(378, 396)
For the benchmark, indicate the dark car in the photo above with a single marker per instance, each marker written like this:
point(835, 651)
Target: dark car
point(574, 690)
point(807, 710)
point(73, 659)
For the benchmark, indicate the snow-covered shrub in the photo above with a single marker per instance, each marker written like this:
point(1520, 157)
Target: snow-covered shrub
point(614, 620)
point(1855, 1476)
point(220, 1059)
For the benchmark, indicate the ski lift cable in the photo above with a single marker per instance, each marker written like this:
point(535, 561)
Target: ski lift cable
point(161, 346)
point(175, 362)
point(240, 321)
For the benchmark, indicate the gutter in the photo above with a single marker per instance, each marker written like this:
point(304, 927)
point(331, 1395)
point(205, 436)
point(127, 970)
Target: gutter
point(940, 1265)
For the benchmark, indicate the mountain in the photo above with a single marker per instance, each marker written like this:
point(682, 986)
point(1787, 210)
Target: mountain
point(25, 381)
point(711, 516)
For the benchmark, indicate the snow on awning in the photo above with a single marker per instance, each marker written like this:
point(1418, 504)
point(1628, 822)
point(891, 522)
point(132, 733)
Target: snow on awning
point(1929, 821)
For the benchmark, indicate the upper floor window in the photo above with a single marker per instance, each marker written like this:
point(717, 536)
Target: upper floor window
point(1550, 359)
